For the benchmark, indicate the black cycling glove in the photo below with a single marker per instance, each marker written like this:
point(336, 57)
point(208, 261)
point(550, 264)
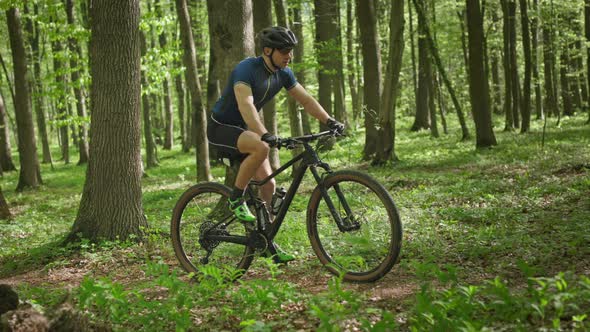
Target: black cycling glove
point(337, 127)
point(272, 140)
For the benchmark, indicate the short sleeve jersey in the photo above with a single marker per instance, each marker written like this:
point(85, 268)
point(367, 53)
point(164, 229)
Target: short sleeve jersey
point(264, 82)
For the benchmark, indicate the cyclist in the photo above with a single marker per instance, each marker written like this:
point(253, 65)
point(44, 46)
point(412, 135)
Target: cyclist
point(235, 129)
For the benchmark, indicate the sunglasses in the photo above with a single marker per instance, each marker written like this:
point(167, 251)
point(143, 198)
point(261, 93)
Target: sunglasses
point(285, 51)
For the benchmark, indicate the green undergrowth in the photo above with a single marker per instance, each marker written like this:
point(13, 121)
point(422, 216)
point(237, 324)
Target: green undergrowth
point(494, 239)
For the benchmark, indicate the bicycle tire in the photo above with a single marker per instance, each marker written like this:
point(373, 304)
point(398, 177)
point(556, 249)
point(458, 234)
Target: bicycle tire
point(363, 255)
point(196, 211)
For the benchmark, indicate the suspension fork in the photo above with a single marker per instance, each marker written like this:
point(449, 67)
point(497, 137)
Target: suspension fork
point(348, 223)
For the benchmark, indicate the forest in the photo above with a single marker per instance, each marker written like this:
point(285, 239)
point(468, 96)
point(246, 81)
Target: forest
point(473, 115)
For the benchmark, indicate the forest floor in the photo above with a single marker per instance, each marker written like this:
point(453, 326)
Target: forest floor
point(489, 237)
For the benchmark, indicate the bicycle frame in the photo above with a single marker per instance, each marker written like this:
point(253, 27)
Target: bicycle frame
point(310, 160)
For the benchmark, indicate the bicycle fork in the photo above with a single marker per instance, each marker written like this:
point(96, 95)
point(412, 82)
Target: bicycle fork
point(349, 222)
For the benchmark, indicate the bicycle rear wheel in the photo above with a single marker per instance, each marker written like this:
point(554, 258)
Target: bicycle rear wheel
point(201, 211)
point(370, 247)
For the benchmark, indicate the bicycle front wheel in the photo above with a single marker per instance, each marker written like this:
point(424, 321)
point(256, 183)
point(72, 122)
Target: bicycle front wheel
point(200, 212)
point(367, 243)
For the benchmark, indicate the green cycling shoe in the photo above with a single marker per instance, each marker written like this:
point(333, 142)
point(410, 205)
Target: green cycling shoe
point(241, 211)
point(281, 256)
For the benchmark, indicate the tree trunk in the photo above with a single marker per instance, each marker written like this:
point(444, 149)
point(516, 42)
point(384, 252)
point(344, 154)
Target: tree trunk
point(421, 118)
point(526, 43)
point(535, 59)
point(350, 58)
point(6, 163)
point(61, 100)
point(514, 65)
point(509, 115)
point(478, 83)
point(78, 86)
point(262, 11)
point(568, 107)
point(197, 107)
point(4, 210)
point(372, 88)
point(180, 98)
point(111, 206)
point(386, 134)
point(168, 111)
point(495, 62)
point(30, 175)
point(549, 72)
point(413, 51)
point(151, 153)
point(443, 73)
point(325, 35)
point(33, 31)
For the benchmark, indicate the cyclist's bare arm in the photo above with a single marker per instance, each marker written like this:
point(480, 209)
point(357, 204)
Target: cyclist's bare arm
point(309, 103)
point(247, 109)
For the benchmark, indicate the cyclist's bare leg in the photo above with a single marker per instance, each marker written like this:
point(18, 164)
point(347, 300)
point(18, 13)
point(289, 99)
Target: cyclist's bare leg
point(268, 189)
point(249, 143)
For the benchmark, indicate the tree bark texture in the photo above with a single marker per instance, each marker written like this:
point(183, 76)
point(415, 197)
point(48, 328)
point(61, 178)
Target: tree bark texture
point(78, 87)
point(372, 86)
point(478, 83)
point(30, 174)
point(194, 86)
point(6, 163)
point(111, 206)
point(4, 210)
point(526, 43)
point(386, 148)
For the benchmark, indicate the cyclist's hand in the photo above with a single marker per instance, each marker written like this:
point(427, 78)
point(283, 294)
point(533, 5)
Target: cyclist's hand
point(272, 140)
point(335, 126)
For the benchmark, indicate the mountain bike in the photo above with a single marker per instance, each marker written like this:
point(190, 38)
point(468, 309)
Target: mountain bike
point(352, 222)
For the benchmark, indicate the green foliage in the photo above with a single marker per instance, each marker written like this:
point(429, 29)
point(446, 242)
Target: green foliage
point(556, 303)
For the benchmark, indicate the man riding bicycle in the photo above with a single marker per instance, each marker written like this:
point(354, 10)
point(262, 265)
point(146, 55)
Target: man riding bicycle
point(235, 129)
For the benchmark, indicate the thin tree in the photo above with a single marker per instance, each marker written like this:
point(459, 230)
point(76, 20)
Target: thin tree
point(443, 74)
point(78, 86)
point(151, 152)
point(535, 59)
point(516, 103)
point(478, 83)
point(30, 174)
point(422, 115)
point(197, 107)
point(111, 206)
point(168, 111)
point(6, 163)
point(549, 78)
point(526, 43)
point(391, 90)
point(350, 58)
point(372, 88)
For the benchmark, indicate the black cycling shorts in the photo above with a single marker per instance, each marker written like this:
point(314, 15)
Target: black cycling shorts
point(224, 139)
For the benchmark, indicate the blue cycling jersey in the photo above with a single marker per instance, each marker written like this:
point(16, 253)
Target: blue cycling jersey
point(264, 82)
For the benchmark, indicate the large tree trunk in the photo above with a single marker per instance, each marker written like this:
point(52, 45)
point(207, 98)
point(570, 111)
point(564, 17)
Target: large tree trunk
point(197, 107)
point(78, 85)
point(30, 175)
point(478, 83)
point(4, 210)
point(386, 135)
point(111, 206)
point(372, 87)
point(526, 43)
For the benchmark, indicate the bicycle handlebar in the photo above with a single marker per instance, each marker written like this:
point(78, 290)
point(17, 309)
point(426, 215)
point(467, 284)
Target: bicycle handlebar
point(291, 142)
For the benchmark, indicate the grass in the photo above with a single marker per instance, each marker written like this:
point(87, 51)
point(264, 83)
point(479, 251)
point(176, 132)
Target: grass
point(480, 227)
